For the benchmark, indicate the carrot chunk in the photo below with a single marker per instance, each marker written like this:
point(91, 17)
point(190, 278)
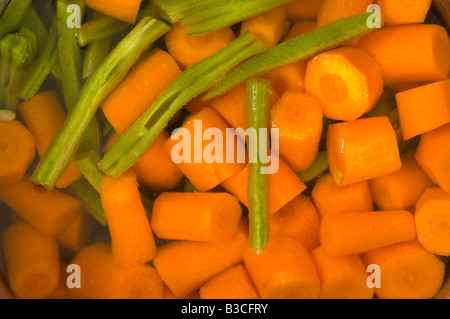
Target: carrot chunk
point(300, 27)
point(77, 233)
point(125, 10)
point(404, 11)
point(303, 9)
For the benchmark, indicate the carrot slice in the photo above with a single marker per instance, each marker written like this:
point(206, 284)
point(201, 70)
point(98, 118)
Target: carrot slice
point(284, 270)
point(32, 260)
point(356, 233)
point(17, 151)
point(77, 233)
point(125, 10)
point(168, 294)
point(347, 80)
point(303, 9)
point(288, 78)
point(404, 11)
point(408, 271)
point(300, 27)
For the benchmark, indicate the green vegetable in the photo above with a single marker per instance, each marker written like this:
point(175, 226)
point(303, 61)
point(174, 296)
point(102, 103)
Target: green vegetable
point(258, 103)
point(174, 10)
point(100, 28)
point(12, 16)
point(195, 80)
point(87, 163)
point(294, 50)
point(96, 52)
point(107, 76)
point(317, 168)
point(91, 200)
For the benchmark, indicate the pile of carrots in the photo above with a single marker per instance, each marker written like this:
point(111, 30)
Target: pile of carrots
point(374, 222)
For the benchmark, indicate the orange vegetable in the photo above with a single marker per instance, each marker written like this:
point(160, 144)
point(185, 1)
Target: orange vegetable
point(139, 89)
point(232, 283)
point(330, 198)
point(205, 170)
point(424, 108)
point(401, 189)
point(432, 216)
point(433, 155)
point(44, 115)
point(188, 50)
point(410, 53)
point(61, 291)
point(347, 80)
point(299, 220)
point(168, 294)
point(32, 261)
point(404, 11)
point(50, 212)
point(102, 278)
point(206, 217)
point(300, 27)
point(361, 150)
point(125, 10)
point(77, 233)
point(186, 265)
point(356, 233)
point(284, 270)
point(196, 104)
point(17, 151)
point(288, 78)
point(299, 118)
point(341, 277)
point(408, 271)
point(131, 235)
point(303, 9)
point(285, 185)
point(268, 26)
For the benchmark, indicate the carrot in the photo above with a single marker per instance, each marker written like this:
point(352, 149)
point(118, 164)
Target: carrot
point(102, 278)
point(401, 189)
point(432, 216)
point(188, 50)
point(404, 11)
point(299, 118)
point(268, 26)
point(196, 104)
point(285, 185)
point(50, 212)
point(139, 89)
point(206, 217)
point(44, 115)
point(61, 291)
point(400, 87)
point(408, 271)
point(288, 78)
point(186, 265)
point(232, 283)
point(17, 151)
point(360, 232)
point(131, 235)
point(433, 155)
point(303, 9)
point(168, 294)
point(361, 150)
point(299, 220)
point(410, 53)
point(285, 270)
point(124, 10)
point(77, 233)
point(341, 277)
point(347, 80)
point(329, 198)
point(300, 27)
point(32, 261)
point(424, 108)
point(205, 170)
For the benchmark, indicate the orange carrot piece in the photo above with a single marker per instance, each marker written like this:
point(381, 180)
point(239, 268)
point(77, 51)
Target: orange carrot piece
point(300, 27)
point(432, 216)
point(186, 265)
point(61, 291)
point(44, 115)
point(407, 271)
point(330, 198)
point(125, 10)
point(196, 104)
point(360, 232)
point(361, 150)
point(404, 11)
point(206, 217)
point(400, 87)
point(424, 108)
point(268, 26)
point(303, 9)
point(433, 155)
point(341, 277)
point(50, 212)
point(78, 232)
point(102, 278)
point(188, 50)
point(299, 220)
point(410, 53)
point(284, 270)
point(32, 261)
point(17, 151)
point(131, 235)
point(288, 78)
point(347, 80)
point(401, 189)
point(168, 294)
point(285, 185)
point(299, 118)
point(232, 283)
point(205, 170)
